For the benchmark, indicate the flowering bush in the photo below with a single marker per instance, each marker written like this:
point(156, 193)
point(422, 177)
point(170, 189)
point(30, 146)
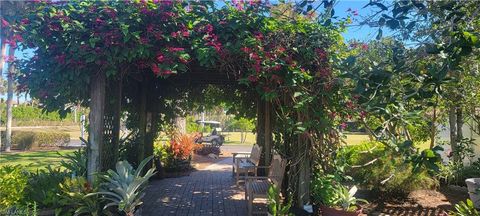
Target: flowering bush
point(290, 62)
point(242, 39)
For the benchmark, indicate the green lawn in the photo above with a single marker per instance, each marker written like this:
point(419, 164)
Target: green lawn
point(40, 159)
point(233, 138)
point(33, 160)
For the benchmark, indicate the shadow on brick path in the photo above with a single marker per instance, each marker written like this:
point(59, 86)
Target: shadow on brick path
point(210, 191)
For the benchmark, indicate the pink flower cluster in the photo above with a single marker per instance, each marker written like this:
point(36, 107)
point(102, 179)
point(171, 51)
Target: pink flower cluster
point(212, 39)
point(10, 58)
point(5, 23)
point(183, 32)
point(363, 46)
point(353, 12)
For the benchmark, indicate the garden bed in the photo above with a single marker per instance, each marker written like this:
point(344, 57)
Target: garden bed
point(419, 202)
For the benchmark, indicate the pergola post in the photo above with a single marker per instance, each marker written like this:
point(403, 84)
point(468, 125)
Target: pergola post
point(113, 110)
point(96, 124)
point(303, 186)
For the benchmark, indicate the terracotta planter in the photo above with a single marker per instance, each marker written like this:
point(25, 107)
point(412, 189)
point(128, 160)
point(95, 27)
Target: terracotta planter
point(328, 211)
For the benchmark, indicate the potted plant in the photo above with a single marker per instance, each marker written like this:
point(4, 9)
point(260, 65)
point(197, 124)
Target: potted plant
point(334, 199)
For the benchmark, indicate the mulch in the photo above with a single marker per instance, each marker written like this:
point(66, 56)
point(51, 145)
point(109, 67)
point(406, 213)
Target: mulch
point(418, 203)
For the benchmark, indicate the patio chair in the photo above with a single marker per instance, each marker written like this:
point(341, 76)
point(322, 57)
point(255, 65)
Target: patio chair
point(245, 163)
point(257, 187)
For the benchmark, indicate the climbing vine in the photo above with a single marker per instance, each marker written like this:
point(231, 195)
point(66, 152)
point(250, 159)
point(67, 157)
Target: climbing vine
point(289, 61)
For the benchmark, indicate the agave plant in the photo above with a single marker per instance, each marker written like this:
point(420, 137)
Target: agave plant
point(125, 187)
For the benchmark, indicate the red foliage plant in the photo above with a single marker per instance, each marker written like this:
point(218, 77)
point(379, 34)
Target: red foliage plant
point(182, 145)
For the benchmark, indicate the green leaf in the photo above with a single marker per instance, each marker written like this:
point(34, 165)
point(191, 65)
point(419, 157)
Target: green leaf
point(429, 153)
point(92, 42)
point(393, 24)
point(381, 21)
point(380, 34)
point(411, 25)
point(380, 5)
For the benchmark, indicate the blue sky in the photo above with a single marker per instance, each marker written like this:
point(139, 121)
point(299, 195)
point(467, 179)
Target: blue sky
point(362, 33)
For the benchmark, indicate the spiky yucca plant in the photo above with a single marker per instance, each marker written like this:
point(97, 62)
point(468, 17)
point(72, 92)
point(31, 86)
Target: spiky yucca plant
point(125, 187)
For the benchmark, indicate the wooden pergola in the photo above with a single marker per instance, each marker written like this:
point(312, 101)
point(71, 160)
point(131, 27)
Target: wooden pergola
point(108, 101)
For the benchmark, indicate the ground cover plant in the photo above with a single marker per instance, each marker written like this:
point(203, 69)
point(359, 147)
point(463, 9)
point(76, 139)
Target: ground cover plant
point(65, 191)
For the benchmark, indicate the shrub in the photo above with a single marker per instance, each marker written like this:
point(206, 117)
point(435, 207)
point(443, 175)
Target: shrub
point(175, 156)
point(13, 180)
point(323, 189)
point(26, 140)
point(456, 173)
point(29, 209)
point(164, 155)
point(207, 149)
point(31, 115)
point(376, 168)
point(73, 199)
point(75, 163)
point(43, 187)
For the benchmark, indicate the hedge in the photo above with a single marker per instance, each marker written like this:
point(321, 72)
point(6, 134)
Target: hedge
point(31, 140)
point(34, 116)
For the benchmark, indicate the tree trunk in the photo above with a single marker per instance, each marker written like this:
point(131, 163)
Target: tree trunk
point(142, 120)
point(452, 120)
point(268, 132)
point(151, 135)
point(261, 127)
point(74, 114)
point(459, 123)
point(11, 70)
point(433, 129)
point(181, 124)
point(96, 124)
point(2, 62)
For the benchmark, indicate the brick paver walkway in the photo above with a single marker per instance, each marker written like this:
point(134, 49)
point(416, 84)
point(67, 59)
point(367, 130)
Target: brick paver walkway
point(210, 191)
